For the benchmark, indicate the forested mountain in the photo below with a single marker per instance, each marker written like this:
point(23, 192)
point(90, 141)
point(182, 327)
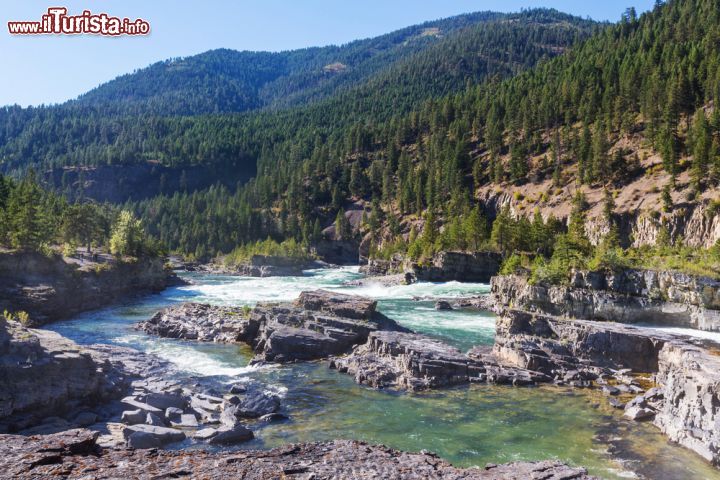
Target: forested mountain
point(131, 121)
point(230, 81)
point(599, 115)
point(427, 157)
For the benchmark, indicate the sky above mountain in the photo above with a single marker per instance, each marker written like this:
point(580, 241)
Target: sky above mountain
point(52, 68)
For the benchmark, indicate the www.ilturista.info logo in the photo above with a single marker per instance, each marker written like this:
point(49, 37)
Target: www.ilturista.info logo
point(58, 22)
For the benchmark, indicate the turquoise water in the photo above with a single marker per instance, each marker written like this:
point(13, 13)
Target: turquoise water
point(468, 426)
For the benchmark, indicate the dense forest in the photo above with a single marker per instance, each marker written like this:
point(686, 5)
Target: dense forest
point(91, 131)
point(518, 100)
point(33, 219)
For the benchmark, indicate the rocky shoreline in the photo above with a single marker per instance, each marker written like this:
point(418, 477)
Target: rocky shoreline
point(49, 288)
point(259, 266)
point(676, 378)
point(75, 454)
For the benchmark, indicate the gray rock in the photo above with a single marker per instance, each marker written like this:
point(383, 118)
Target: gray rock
point(231, 435)
point(238, 388)
point(85, 419)
point(186, 420)
point(133, 417)
point(162, 435)
point(443, 305)
point(155, 420)
point(610, 390)
point(273, 417)
point(140, 440)
point(205, 434)
point(164, 401)
point(638, 413)
point(172, 413)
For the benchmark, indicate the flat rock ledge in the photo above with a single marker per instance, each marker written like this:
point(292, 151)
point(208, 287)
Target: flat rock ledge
point(261, 266)
point(75, 454)
point(680, 392)
point(317, 325)
point(410, 361)
point(198, 321)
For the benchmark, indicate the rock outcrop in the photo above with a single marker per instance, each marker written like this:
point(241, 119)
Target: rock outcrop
point(685, 402)
point(317, 325)
point(49, 288)
point(43, 374)
point(630, 296)
point(411, 361)
point(75, 454)
point(443, 267)
point(201, 322)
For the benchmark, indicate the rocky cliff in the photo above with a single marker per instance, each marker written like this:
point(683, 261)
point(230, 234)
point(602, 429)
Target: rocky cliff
point(44, 376)
point(49, 288)
point(443, 267)
point(629, 296)
point(685, 402)
point(75, 454)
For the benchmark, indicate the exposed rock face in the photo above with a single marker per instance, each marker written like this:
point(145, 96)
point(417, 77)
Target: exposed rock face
point(459, 266)
point(74, 454)
point(415, 362)
point(444, 267)
point(197, 321)
point(43, 374)
point(317, 325)
point(262, 266)
point(689, 409)
point(631, 296)
point(686, 403)
point(50, 289)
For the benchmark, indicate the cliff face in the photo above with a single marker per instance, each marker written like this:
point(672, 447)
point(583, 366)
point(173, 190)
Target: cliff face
point(49, 289)
point(552, 329)
point(638, 214)
point(685, 405)
point(43, 374)
point(443, 267)
point(630, 296)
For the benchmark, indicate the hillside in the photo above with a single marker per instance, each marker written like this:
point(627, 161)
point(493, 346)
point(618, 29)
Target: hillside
point(85, 144)
point(620, 131)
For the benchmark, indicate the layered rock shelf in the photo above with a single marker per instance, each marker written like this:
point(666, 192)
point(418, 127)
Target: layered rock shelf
point(684, 372)
point(76, 454)
point(319, 324)
point(50, 289)
point(410, 361)
point(630, 296)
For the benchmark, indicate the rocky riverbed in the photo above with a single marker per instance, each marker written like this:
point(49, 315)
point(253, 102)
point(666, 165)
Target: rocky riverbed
point(75, 454)
point(683, 371)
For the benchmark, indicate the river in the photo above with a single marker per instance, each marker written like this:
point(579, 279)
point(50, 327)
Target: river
point(467, 426)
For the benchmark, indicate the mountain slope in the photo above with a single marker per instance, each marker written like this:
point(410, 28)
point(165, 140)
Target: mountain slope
point(112, 135)
point(622, 130)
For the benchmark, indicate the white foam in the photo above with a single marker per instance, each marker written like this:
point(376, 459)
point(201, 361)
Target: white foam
point(187, 358)
point(690, 332)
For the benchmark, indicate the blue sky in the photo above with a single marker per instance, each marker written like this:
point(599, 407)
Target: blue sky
point(51, 69)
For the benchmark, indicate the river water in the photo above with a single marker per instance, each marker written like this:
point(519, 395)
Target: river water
point(468, 426)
